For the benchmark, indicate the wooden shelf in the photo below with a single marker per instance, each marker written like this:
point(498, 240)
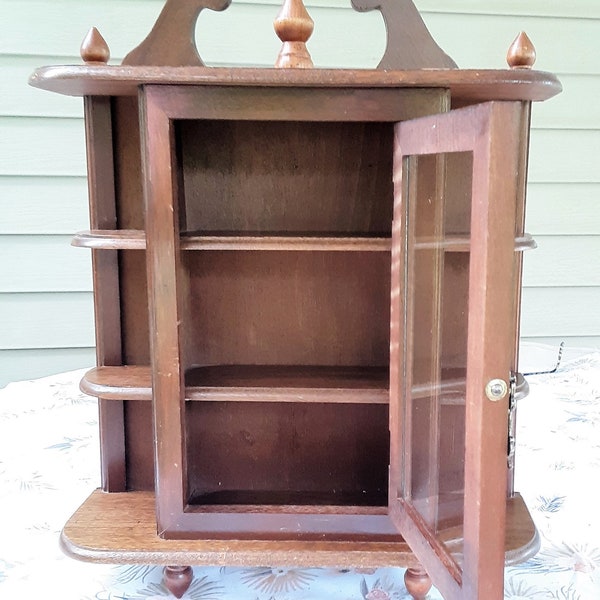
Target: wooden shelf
point(136, 240)
point(251, 383)
point(118, 383)
point(130, 239)
point(120, 528)
point(248, 383)
point(111, 239)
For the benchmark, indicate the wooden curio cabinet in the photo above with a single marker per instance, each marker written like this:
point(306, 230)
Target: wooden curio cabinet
point(306, 286)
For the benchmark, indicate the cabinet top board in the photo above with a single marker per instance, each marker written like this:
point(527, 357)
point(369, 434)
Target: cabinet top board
point(465, 85)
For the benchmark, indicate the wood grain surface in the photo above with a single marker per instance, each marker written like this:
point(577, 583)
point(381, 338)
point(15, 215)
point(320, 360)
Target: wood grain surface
point(121, 529)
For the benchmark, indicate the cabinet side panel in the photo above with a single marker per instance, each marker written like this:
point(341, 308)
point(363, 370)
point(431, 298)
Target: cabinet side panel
point(133, 289)
point(105, 268)
point(523, 162)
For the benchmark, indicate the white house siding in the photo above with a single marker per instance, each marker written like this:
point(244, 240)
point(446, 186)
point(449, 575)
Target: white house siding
point(45, 285)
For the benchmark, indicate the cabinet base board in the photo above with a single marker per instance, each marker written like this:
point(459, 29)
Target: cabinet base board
point(120, 528)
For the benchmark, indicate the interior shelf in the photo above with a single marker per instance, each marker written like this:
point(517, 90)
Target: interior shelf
point(249, 383)
point(133, 239)
point(136, 240)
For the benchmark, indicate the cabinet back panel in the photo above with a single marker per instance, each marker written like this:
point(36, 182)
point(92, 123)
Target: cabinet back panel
point(258, 453)
point(130, 215)
point(256, 176)
point(128, 163)
point(136, 351)
point(139, 436)
point(455, 294)
point(304, 308)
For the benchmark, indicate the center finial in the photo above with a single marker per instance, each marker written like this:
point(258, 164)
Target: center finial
point(293, 26)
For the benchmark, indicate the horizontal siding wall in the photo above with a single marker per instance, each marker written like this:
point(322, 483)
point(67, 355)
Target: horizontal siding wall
point(17, 365)
point(45, 284)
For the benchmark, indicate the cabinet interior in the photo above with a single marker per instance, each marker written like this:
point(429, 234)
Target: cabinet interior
point(306, 313)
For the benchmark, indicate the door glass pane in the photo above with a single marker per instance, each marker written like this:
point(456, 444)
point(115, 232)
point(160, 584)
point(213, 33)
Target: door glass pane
point(437, 277)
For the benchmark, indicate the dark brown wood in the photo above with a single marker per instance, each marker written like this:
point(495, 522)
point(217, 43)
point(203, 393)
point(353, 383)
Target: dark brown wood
point(228, 314)
point(233, 323)
point(280, 456)
point(166, 309)
point(466, 86)
point(94, 48)
point(196, 275)
point(492, 228)
point(409, 43)
point(133, 288)
point(172, 41)
point(177, 579)
point(319, 191)
point(121, 529)
point(521, 54)
point(133, 239)
point(522, 387)
point(243, 235)
point(265, 107)
point(119, 383)
point(105, 269)
point(251, 383)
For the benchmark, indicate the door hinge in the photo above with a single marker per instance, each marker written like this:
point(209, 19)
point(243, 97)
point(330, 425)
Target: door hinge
point(512, 421)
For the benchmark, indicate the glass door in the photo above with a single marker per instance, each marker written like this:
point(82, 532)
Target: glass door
point(453, 274)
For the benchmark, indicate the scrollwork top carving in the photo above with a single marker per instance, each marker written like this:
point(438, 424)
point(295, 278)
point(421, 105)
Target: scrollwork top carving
point(409, 43)
point(172, 41)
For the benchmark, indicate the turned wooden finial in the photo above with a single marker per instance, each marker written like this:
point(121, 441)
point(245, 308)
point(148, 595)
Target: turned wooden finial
point(521, 54)
point(94, 48)
point(293, 27)
point(177, 579)
point(417, 582)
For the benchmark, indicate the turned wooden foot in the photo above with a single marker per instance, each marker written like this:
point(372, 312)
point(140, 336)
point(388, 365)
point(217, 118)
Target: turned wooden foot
point(417, 582)
point(177, 579)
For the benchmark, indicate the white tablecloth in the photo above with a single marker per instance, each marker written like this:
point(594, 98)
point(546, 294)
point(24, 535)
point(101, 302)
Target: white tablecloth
point(49, 464)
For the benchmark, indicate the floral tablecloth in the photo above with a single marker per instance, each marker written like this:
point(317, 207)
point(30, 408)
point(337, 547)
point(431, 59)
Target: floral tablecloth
point(49, 465)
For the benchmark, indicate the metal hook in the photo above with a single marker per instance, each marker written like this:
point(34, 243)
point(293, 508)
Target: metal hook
point(560, 353)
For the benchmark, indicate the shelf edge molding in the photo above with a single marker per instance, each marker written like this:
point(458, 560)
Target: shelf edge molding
point(129, 239)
